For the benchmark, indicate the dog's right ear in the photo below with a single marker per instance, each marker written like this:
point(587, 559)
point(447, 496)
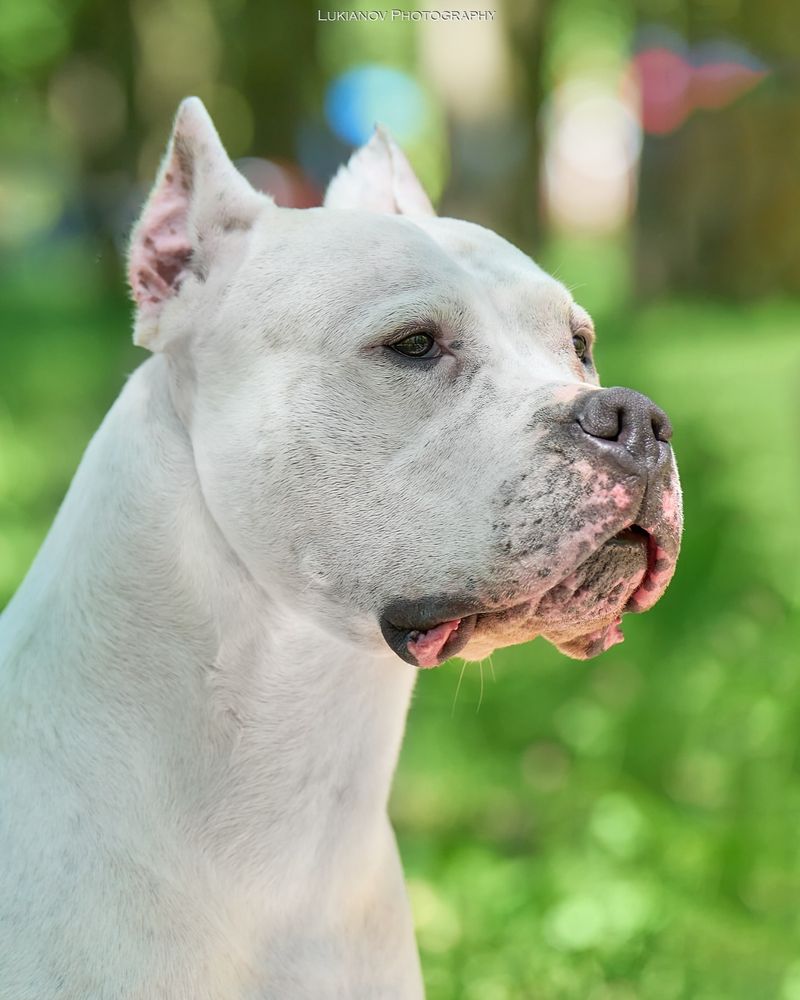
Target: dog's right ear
point(379, 178)
point(199, 202)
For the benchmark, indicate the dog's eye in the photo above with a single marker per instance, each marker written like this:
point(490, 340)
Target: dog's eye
point(418, 345)
point(581, 345)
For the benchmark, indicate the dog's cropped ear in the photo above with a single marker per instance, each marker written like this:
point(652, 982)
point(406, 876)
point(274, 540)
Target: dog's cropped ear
point(199, 199)
point(379, 178)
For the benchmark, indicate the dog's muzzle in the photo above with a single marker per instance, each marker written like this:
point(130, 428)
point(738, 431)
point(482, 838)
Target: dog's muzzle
point(620, 453)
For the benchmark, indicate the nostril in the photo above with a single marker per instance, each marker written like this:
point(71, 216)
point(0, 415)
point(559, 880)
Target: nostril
point(660, 425)
point(601, 420)
point(662, 429)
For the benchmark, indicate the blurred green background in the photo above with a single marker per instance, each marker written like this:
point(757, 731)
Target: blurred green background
point(626, 828)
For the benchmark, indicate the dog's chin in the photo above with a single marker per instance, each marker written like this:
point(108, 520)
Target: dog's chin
point(581, 614)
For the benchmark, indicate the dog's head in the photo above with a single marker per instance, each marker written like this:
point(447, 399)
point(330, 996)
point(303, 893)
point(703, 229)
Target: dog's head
point(396, 418)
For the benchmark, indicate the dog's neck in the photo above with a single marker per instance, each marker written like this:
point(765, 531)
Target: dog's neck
point(188, 703)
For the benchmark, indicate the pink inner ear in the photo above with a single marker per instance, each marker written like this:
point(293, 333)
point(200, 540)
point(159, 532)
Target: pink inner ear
point(161, 248)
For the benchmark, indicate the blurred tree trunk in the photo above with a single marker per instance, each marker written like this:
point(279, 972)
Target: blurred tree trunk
point(496, 161)
point(719, 198)
point(261, 59)
point(101, 41)
point(272, 59)
point(522, 215)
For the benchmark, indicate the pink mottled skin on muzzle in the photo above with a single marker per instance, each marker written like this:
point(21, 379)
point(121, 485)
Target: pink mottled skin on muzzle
point(603, 491)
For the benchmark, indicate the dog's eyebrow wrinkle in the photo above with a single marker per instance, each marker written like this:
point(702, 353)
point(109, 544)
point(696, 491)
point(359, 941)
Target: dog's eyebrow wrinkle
point(579, 319)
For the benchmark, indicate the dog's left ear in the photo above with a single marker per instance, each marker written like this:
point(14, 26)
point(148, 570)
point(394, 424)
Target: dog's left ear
point(199, 204)
point(379, 178)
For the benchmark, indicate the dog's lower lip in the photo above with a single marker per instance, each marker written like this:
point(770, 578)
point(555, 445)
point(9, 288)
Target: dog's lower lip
point(399, 637)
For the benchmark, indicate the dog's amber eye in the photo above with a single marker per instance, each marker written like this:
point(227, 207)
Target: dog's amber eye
point(418, 345)
point(581, 346)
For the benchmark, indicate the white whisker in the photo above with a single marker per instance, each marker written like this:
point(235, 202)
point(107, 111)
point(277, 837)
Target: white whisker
point(458, 688)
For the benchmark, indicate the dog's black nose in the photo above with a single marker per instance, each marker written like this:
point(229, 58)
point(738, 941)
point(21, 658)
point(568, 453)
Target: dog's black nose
point(628, 426)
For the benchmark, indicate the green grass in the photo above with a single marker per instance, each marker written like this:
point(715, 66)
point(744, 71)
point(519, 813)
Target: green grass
point(625, 828)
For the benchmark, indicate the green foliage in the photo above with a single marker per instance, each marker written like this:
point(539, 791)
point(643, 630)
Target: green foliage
point(621, 829)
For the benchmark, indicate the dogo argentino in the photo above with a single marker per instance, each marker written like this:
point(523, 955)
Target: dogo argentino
point(368, 439)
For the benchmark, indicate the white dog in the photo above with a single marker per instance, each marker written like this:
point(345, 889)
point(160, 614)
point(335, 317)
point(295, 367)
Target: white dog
point(368, 438)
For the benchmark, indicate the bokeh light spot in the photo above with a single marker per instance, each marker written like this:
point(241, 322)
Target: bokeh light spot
point(358, 99)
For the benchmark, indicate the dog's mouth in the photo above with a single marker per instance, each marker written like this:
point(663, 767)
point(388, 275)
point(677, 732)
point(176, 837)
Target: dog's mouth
point(580, 614)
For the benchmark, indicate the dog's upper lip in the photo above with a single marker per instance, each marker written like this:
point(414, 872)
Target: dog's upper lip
point(661, 559)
